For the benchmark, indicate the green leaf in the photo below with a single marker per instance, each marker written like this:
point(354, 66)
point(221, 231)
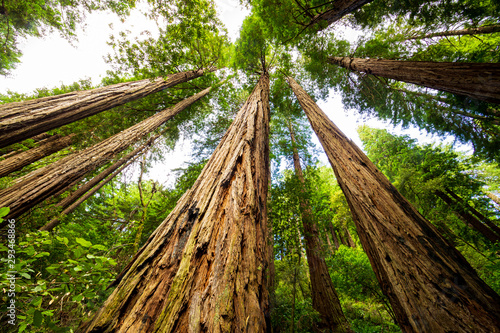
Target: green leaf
point(25, 275)
point(37, 318)
point(83, 242)
point(4, 211)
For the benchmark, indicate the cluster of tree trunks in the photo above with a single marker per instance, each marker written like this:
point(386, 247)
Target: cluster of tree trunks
point(204, 268)
point(44, 148)
point(47, 181)
point(470, 216)
point(324, 297)
point(476, 80)
point(71, 202)
point(431, 287)
point(22, 120)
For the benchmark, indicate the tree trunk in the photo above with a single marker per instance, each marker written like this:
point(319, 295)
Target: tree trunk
point(348, 237)
point(324, 297)
point(334, 236)
point(22, 120)
point(493, 197)
point(476, 80)
point(204, 268)
point(44, 182)
point(339, 10)
point(73, 197)
point(47, 147)
point(55, 222)
point(475, 212)
point(431, 287)
point(468, 218)
point(462, 32)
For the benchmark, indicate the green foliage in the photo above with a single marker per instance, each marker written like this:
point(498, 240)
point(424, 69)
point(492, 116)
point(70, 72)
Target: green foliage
point(22, 18)
point(59, 281)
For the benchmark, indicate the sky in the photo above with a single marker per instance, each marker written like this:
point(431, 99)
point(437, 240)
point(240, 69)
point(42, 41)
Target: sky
point(51, 61)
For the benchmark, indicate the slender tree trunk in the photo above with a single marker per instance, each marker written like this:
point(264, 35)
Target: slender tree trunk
point(493, 197)
point(47, 147)
point(324, 297)
point(73, 197)
point(467, 217)
point(204, 268)
point(334, 236)
point(71, 208)
point(339, 9)
point(431, 287)
point(476, 80)
point(22, 120)
point(462, 32)
point(475, 212)
point(349, 239)
point(44, 182)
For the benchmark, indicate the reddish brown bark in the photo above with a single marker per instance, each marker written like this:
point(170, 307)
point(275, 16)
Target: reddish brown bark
point(22, 120)
point(67, 203)
point(468, 218)
point(204, 268)
point(45, 182)
point(431, 287)
point(476, 80)
point(324, 297)
point(46, 147)
point(461, 32)
point(334, 236)
point(339, 9)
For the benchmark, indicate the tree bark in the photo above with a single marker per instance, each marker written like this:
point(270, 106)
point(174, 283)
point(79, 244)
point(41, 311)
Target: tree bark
point(467, 217)
point(22, 120)
point(476, 80)
point(461, 32)
point(44, 182)
point(70, 209)
point(204, 268)
point(334, 236)
point(493, 197)
point(67, 203)
point(339, 9)
point(481, 217)
point(324, 296)
point(47, 147)
point(431, 287)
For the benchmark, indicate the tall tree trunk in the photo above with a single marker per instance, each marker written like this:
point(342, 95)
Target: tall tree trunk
point(467, 217)
point(475, 212)
point(70, 209)
point(431, 287)
point(339, 9)
point(44, 182)
point(204, 268)
point(334, 236)
point(461, 32)
point(349, 239)
point(47, 147)
point(476, 80)
point(493, 197)
point(22, 120)
point(324, 297)
point(73, 197)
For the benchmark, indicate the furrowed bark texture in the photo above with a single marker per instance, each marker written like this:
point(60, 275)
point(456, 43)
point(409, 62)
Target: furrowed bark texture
point(431, 287)
point(68, 203)
point(22, 120)
point(55, 222)
point(339, 10)
point(462, 32)
point(324, 296)
point(45, 182)
point(476, 80)
point(204, 268)
point(47, 147)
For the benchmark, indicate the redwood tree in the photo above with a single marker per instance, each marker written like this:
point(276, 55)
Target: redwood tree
point(431, 287)
point(45, 182)
point(324, 297)
point(204, 268)
point(22, 120)
point(45, 148)
point(476, 80)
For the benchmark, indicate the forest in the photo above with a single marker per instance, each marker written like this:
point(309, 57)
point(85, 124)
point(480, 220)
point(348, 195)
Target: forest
point(256, 234)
